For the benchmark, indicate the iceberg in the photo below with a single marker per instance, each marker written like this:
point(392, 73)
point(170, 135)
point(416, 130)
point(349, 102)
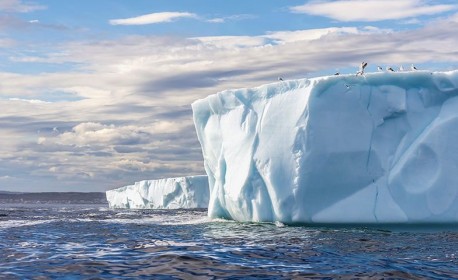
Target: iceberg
point(170, 193)
point(378, 148)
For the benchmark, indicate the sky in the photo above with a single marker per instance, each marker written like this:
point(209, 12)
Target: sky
point(95, 95)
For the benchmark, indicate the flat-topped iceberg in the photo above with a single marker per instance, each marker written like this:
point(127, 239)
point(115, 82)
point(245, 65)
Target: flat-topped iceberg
point(379, 148)
point(170, 193)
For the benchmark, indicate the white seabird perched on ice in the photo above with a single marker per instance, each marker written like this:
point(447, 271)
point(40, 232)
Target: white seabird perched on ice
point(401, 68)
point(389, 69)
point(380, 69)
point(413, 68)
point(361, 68)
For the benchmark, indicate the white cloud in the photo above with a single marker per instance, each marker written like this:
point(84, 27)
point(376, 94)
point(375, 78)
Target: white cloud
point(278, 37)
point(411, 21)
point(19, 6)
point(36, 101)
point(229, 42)
point(93, 134)
point(136, 165)
point(310, 34)
point(216, 20)
point(153, 18)
point(371, 10)
point(231, 18)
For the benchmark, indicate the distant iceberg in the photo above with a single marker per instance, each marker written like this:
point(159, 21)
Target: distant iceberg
point(379, 148)
point(170, 193)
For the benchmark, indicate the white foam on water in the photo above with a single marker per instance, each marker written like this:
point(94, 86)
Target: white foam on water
point(163, 220)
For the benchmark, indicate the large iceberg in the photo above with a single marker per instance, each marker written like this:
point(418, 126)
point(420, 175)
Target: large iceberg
point(379, 148)
point(169, 193)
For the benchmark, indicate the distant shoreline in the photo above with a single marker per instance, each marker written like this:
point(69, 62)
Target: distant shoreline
point(53, 197)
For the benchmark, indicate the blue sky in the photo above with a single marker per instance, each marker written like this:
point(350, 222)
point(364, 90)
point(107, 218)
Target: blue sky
point(96, 94)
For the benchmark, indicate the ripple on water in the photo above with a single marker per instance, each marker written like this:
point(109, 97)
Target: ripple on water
point(88, 243)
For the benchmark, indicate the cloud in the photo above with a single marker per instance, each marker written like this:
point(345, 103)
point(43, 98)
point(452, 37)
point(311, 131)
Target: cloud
point(231, 41)
point(27, 100)
point(19, 6)
point(371, 10)
point(12, 21)
point(454, 18)
point(102, 156)
point(217, 20)
point(97, 134)
point(7, 42)
point(153, 18)
point(231, 18)
point(133, 119)
point(283, 37)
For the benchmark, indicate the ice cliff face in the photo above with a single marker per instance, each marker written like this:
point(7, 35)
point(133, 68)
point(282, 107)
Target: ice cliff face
point(170, 193)
point(380, 148)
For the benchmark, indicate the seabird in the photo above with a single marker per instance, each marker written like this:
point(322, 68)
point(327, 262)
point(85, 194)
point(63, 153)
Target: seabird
point(413, 68)
point(380, 69)
point(401, 68)
point(336, 74)
point(361, 68)
point(389, 69)
point(280, 78)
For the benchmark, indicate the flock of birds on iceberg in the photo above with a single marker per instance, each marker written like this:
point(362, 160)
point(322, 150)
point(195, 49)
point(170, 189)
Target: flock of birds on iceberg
point(363, 66)
point(380, 69)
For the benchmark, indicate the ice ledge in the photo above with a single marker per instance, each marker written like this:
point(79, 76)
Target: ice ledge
point(169, 193)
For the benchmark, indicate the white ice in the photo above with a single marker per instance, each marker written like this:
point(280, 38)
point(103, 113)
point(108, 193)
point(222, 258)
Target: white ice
point(379, 148)
point(170, 193)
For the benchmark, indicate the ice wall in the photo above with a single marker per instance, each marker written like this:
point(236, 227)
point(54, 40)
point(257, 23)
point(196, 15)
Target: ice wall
point(170, 193)
point(379, 148)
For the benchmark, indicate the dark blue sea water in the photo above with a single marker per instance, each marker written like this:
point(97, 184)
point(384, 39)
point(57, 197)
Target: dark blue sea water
point(75, 241)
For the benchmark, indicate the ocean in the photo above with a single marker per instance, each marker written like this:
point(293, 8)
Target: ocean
point(71, 239)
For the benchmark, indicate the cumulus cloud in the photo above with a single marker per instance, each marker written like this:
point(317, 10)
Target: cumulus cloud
point(98, 134)
point(152, 18)
point(106, 155)
point(371, 10)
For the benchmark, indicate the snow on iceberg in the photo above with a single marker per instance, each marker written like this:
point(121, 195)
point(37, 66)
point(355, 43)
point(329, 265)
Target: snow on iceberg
point(379, 148)
point(170, 193)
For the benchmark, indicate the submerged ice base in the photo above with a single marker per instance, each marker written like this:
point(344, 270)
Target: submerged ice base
point(379, 148)
point(170, 193)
